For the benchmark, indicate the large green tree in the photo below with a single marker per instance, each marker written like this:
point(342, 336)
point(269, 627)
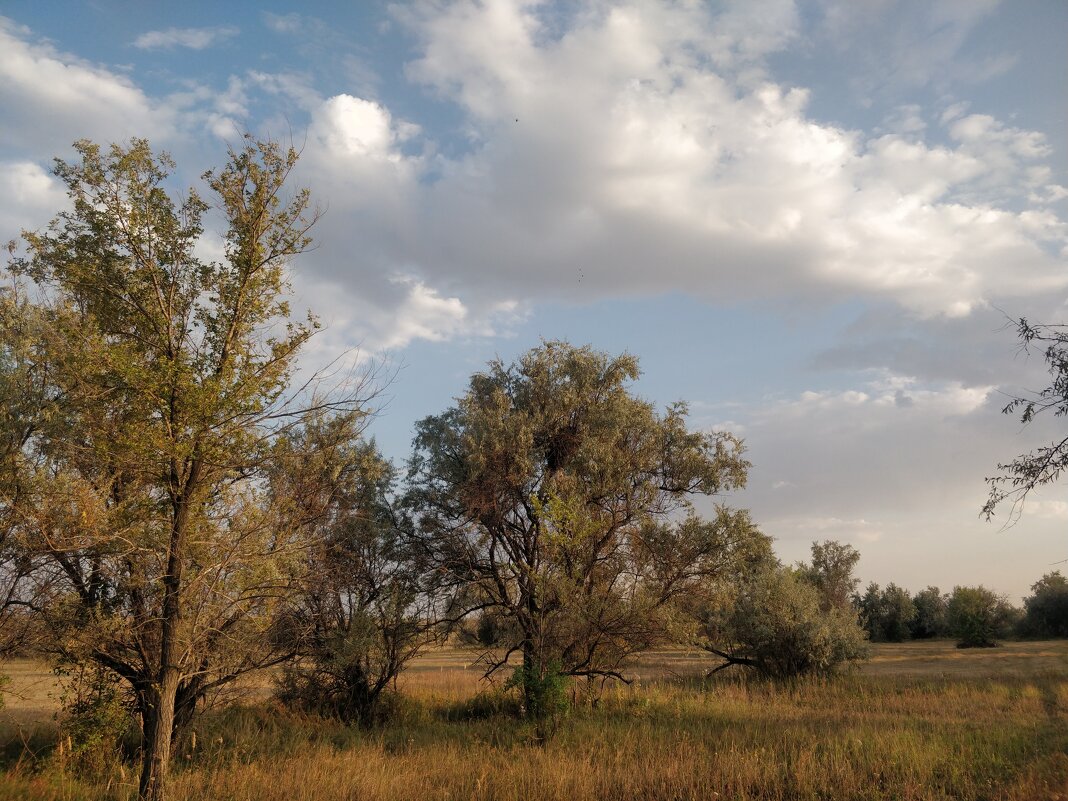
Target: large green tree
point(557, 501)
point(141, 479)
point(978, 617)
point(887, 613)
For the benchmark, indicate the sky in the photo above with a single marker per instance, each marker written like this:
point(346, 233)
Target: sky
point(812, 221)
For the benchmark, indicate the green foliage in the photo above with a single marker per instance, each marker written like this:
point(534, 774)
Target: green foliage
point(558, 503)
point(930, 620)
point(95, 717)
point(831, 573)
point(363, 615)
point(887, 614)
point(161, 383)
point(775, 623)
point(544, 691)
point(1046, 609)
point(979, 617)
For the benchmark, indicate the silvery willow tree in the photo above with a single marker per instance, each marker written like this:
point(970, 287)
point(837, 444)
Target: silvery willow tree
point(775, 620)
point(140, 483)
point(555, 500)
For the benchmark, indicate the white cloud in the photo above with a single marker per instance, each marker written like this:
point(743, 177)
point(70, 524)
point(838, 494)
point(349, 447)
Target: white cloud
point(284, 23)
point(348, 128)
point(192, 38)
point(30, 197)
point(391, 314)
point(669, 164)
point(51, 98)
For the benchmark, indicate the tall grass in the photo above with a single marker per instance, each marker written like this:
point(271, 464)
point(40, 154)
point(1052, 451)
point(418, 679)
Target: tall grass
point(928, 735)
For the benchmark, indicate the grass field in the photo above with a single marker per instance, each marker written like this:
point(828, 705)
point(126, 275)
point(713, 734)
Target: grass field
point(919, 721)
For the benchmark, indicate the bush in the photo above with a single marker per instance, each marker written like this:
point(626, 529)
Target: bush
point(346, 678)
point(544, 692)
point(94, 719)
point(978, 617)
point(779, 625)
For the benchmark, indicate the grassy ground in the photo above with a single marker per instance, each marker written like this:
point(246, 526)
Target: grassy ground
point(920, 721)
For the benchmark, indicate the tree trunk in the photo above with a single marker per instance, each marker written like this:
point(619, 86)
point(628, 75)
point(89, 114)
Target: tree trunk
point(531, 684)
point(158, 724)
point(185, 706)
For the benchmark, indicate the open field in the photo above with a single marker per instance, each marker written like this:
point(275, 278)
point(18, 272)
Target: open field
point(920, 721)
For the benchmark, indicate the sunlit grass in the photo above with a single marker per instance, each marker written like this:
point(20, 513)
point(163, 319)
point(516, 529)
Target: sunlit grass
point(922, 721)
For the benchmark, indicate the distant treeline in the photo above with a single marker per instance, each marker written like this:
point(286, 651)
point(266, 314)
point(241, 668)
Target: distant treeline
point(976, 616)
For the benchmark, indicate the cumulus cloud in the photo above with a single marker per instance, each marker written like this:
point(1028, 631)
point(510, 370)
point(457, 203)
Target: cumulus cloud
point(191, 38)
point(50, 97)
point(673, 162)
point(31, 196)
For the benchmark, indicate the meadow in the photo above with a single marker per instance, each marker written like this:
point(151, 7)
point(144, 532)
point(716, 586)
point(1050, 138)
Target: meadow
point(919, 721)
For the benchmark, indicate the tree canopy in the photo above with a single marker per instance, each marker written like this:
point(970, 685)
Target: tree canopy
point(553, 497)
point(159, 382)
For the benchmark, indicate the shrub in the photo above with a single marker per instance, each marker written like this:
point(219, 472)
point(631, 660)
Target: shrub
point(544, 691)
point(778, 625)
point(95, 717)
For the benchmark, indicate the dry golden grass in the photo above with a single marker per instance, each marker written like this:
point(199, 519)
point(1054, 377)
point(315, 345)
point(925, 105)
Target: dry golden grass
point(920, 721)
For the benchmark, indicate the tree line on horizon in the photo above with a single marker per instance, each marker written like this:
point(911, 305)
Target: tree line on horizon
point(180, 506)
point(974, 616)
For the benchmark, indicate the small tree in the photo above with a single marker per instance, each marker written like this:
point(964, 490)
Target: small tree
point(978, 617)
point(363, 614)
point(774, 622)
point(553, 498)
point(831, 573)
point(1046, 609)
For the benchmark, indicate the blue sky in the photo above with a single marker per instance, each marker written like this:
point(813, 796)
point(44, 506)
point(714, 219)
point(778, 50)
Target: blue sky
point(808, 219)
